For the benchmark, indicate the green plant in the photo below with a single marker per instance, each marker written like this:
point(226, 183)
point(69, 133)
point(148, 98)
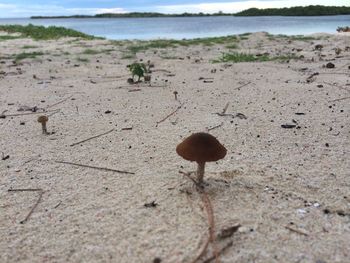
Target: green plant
point(90, 52)
point(241, 57)
point(8, 37)
point(29, 47)
point(138, 69)
point(44, 33)
point(85, 60)
point(128, 56)
point(25, 55)
point(232, 46)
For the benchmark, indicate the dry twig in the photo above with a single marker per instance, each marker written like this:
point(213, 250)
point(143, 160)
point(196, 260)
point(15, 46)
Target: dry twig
point(211, 222)
point(169, 115)
point(243, 85)
point(95, 167)
point(297, 231)
point(61, 101)
point(217, 126)
point(223, 249)
point(339, 99)
point(93, 137)
point(28, 113)
point(41, 192)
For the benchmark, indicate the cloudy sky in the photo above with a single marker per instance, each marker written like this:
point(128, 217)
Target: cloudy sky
point(25, 8)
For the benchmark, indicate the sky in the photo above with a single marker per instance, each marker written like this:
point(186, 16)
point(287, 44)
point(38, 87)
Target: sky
point(26, 8)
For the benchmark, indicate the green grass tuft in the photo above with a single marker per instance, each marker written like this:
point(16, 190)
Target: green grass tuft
point(90, 52)
point(84, 60)
point(29, 47)
point(232, 46)
point(128, 56)
point(26, 55)
point(44, 33)
point(8, 37)
point(240, 57)
point(243, 57)
point(141, 46)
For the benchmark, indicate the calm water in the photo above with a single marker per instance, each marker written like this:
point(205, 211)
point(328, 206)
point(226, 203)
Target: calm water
point(192, 27)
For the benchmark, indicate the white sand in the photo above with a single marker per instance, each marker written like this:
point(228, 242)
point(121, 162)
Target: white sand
point(271, 177)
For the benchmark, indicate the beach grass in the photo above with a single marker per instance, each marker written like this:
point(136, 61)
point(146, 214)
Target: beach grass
point(291, 37)
point(90, 52)
point(26, 55)
point(84, 60)
point(8, 37)
point(29, 47)
point(44, 33)
point(231, 46)
point(236, 57)
point(142, 46)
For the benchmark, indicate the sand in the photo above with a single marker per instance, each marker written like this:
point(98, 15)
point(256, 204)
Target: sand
point(289, 189)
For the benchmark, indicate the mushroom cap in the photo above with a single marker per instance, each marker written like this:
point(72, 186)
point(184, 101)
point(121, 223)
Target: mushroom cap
point(201, 147)
point(43, 119)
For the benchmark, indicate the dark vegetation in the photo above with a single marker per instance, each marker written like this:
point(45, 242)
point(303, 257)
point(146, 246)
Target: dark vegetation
point(312, 10)
point(343, 29)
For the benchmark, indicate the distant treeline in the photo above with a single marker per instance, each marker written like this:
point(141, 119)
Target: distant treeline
point(312, 10)
point(134, 15)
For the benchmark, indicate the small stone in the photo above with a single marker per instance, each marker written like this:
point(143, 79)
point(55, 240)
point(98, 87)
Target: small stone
point(330, 65)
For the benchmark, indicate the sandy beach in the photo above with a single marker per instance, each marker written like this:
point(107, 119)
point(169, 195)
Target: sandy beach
point(285, 179)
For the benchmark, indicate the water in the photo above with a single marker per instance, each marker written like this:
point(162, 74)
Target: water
point(192, 27)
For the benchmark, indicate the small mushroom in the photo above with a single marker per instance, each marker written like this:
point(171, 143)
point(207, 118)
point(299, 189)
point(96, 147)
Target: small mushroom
point(201, 148)
point(175, 93)
point(43, 120)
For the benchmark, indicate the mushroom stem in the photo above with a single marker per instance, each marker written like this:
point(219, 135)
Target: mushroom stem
point(43, 126)
point(200, 172)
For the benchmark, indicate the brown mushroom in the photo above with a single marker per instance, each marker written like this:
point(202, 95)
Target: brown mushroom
point(175, 93)
point(201, 148)
point(43, 119)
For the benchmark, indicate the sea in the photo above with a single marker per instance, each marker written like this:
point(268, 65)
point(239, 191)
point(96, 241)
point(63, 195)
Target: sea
point(191, 27)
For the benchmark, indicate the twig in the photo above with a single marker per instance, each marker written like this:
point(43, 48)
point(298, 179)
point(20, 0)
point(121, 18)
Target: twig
point(169, 115)
point(59, 203)
point(297, 231)
point(203, 250)
point(41, 192)
point(163, 70)
point(189, 177)
point(243, 85)
point(217, 126)
point(28, 113)
point(339, 99)
point(61, 101)
point(93, 137)
point(95, 167)
point(225, 108)
point(24, 190)
point(211, 222)
point(334, 85)
point(229, 244)
point(133, 90)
